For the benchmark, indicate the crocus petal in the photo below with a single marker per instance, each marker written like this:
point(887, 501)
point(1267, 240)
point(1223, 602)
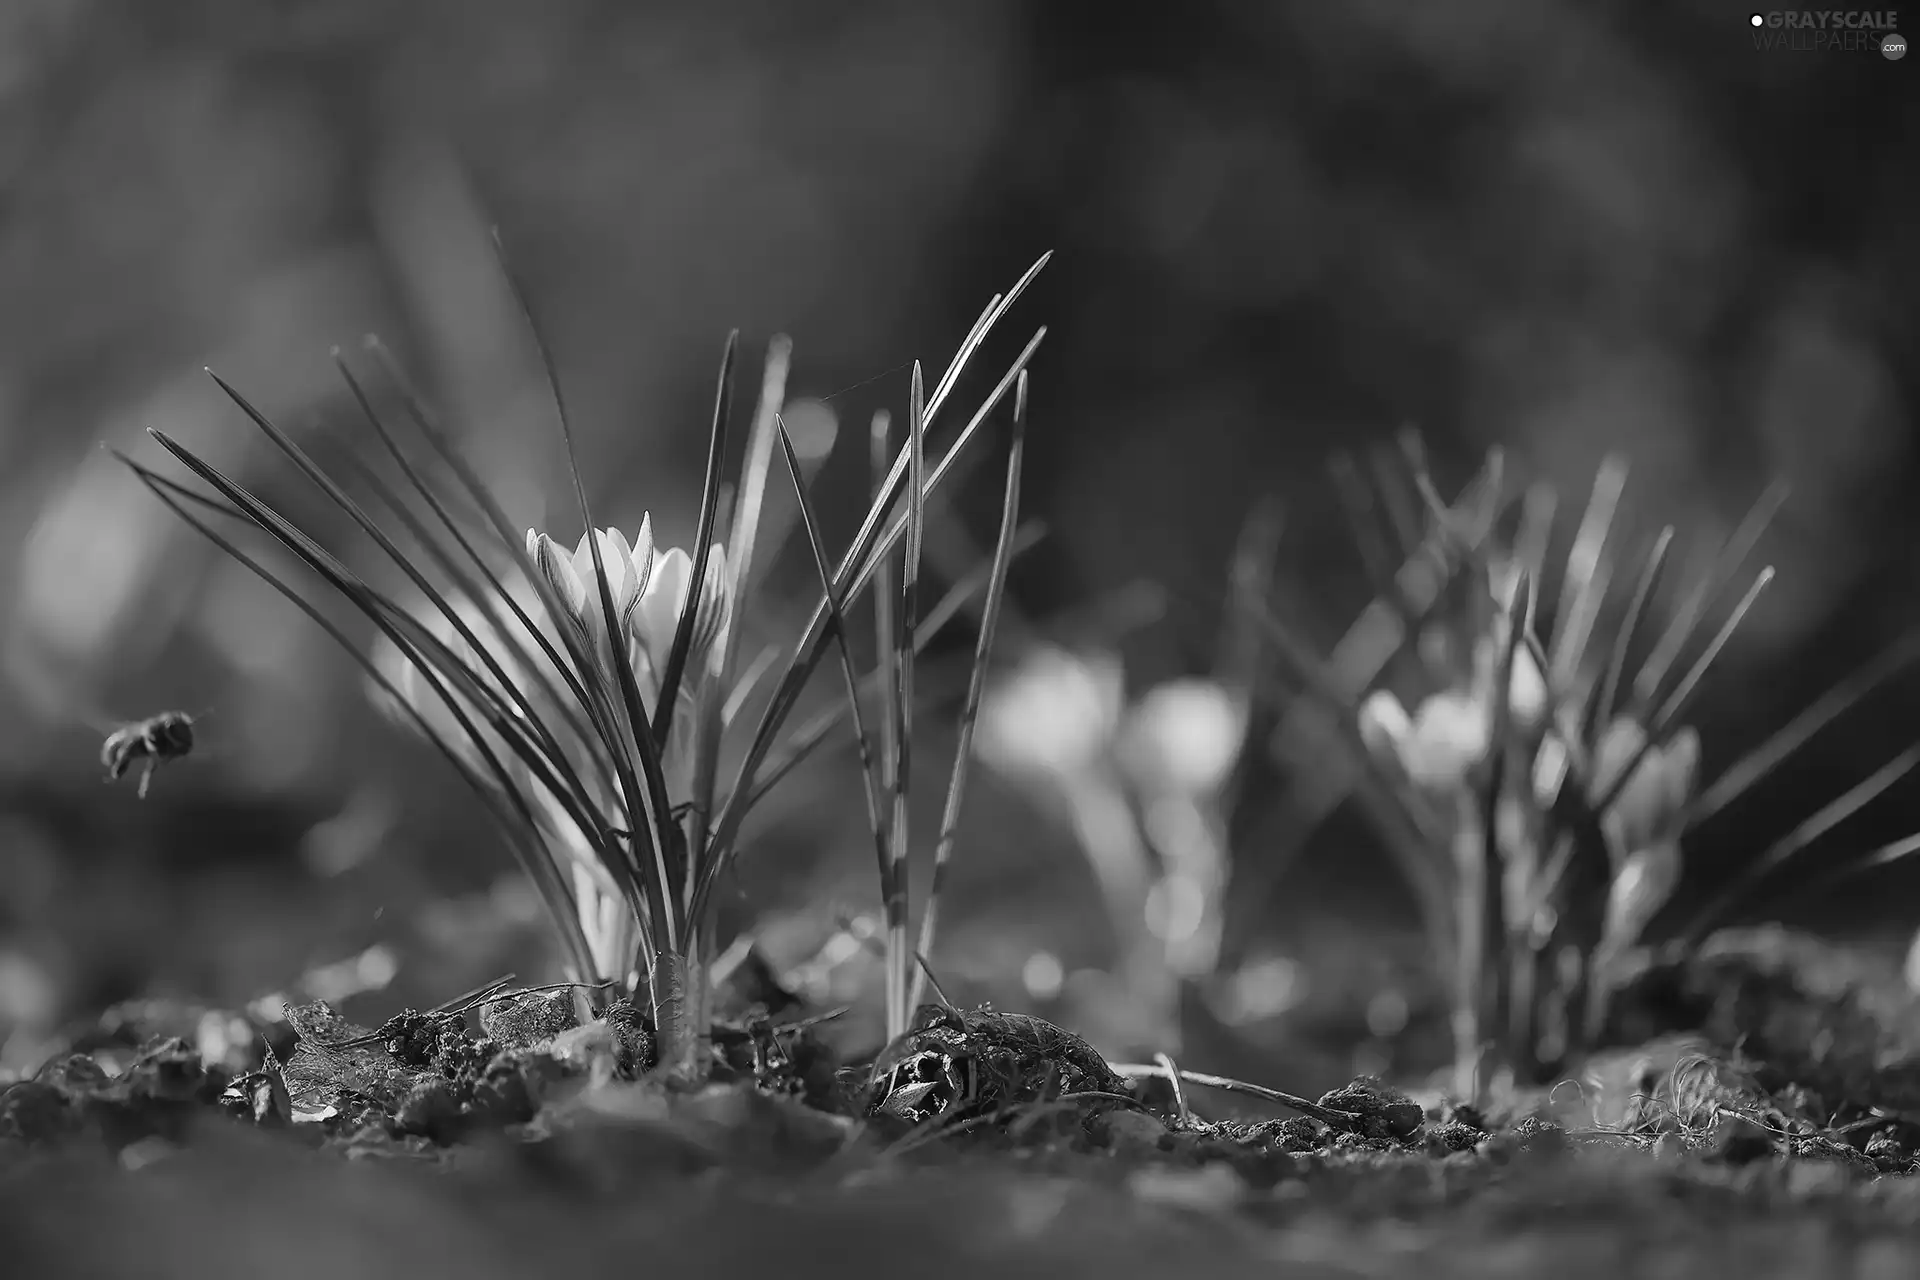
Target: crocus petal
point(1450, 735)
point(1184, 737)
point(715, 617)
point(1650, 805)
point(554, 566)
point(658, 613)
point(1385, 727)
point(1644, 883)
point(1056, 714)
point(642, 560)
point(623, 582)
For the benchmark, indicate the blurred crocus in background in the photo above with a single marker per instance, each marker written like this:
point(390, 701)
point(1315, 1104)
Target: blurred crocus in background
point(1140, 783)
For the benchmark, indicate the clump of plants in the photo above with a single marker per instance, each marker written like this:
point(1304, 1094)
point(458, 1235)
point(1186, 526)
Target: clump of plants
point(1536, 789)
point(596, 700)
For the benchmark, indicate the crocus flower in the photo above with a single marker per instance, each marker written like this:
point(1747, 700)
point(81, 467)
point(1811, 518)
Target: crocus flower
point(648, 591)
point(1452, 730)
point(1643, 824)
point(1184, 736)
point(1053, 717)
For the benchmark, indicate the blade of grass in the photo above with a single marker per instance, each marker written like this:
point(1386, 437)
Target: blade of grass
point(750, 678)
point(1256, 557)
point(418, 644)
point(885, 602)
point(1836, 702)
point(852, 576)
point(1356, 501)
point(808, 737)
point(1381, 629)
point(1646, 686)
point(903, 664)
point(1378, 634)
point(1491, 917)
point(1536, 530)
point(837, 625)
point(743, 552)
point(1585, 582)
point(557, 680)
point(1823, 821)
point(1398, 507)
point(1670, 711)
point(443, 445)
point(599, 709)
point(1682, 694)
point(650, 799)
point(520, 710)
point(1412, 831)
point(976, 687)
point(538, 865)
point(702, 546)
point(1885, 856)
point(1602, 710)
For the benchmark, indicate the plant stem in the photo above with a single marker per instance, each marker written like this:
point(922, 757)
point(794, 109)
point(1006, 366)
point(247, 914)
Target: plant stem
point(675, 1042)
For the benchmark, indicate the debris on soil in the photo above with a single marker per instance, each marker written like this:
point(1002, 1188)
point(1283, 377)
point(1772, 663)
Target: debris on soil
point(952, 1065)
point(1719, 1108)
point(530, 1019)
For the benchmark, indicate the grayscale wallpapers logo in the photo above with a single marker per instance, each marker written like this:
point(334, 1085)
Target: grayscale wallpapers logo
point(1830, 30)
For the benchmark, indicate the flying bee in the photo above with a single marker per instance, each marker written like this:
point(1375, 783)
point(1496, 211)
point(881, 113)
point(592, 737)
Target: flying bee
point(155, 740)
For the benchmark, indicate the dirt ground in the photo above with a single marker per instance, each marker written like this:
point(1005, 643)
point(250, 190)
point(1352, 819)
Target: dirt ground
point(1788, 1148)
point(241, 1207)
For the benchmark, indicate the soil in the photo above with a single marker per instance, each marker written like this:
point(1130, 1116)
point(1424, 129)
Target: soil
point(1754, 1119)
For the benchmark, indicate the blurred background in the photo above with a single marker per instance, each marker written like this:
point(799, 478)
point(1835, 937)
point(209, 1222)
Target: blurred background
point(1280, 230)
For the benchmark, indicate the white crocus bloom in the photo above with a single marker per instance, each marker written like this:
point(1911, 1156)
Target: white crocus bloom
point(647, 592)
point(1452, 731)
point(628, 569)
point(1648, 808)
point(656, 617)
point(1054, 717)
point(1643, 824)
point(1184, 737)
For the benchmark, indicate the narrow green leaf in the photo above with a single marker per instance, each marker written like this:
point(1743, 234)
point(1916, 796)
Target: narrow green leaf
point(976, 687)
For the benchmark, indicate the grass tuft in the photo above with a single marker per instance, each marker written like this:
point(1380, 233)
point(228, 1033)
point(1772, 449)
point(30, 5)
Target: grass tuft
point(540, 709)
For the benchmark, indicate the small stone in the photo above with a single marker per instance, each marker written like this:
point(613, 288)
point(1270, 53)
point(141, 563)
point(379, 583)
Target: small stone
point(1293, 1134)
point(1735, 1139)
point(1398, 1115)
point(1453, 1135)
point(531, 1019)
